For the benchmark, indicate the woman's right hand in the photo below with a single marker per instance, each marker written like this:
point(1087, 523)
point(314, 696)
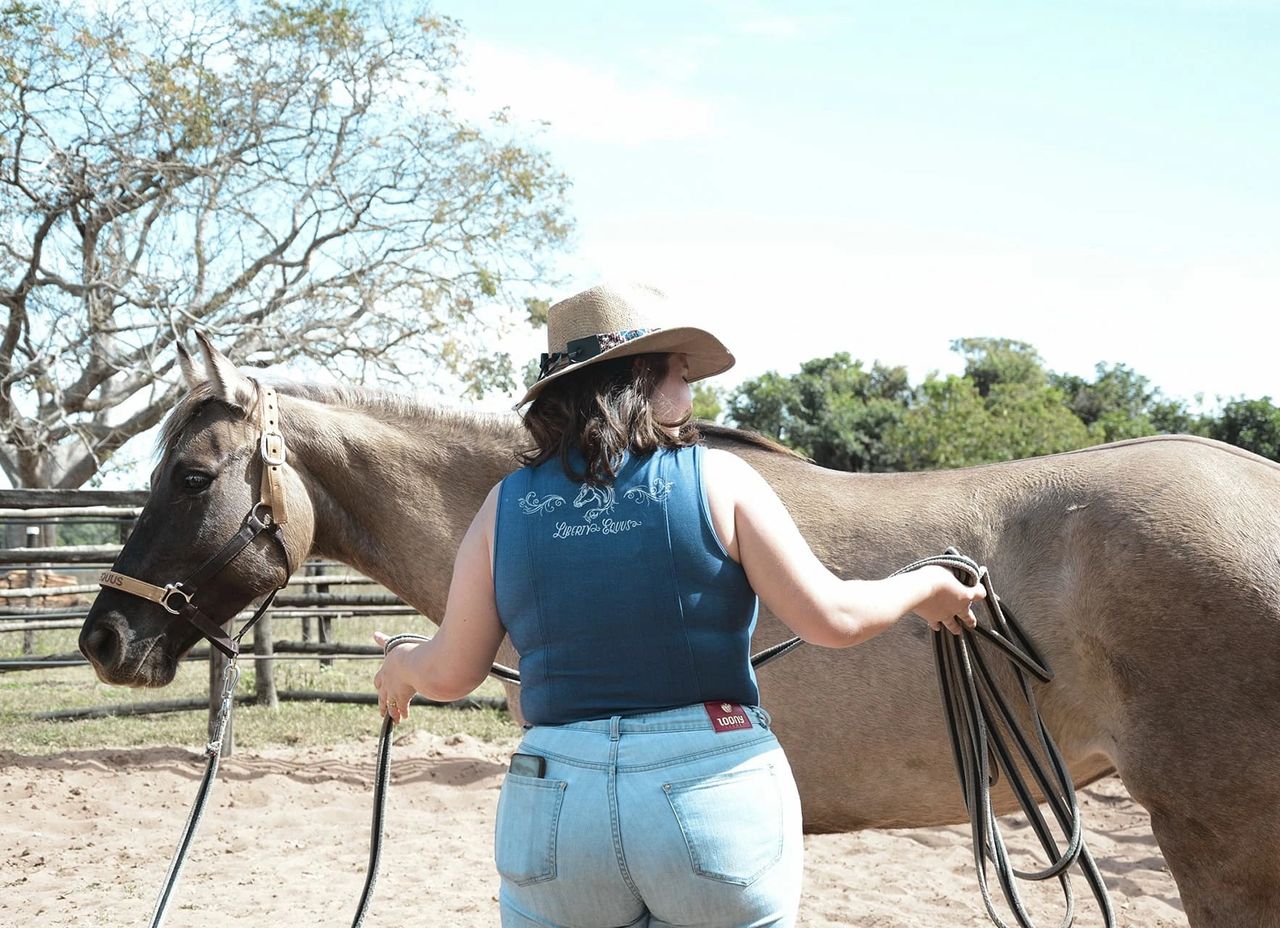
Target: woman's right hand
point(947, 602)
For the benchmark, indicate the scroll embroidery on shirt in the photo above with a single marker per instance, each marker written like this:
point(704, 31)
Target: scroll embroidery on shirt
point(657, 491)
point(530, 504)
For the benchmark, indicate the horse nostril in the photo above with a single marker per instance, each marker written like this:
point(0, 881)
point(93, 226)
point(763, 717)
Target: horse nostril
point(103, 645)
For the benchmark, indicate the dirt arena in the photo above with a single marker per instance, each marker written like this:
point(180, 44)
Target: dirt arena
point(86, 836)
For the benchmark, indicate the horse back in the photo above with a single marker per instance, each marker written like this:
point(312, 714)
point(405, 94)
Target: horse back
point(1135, 567)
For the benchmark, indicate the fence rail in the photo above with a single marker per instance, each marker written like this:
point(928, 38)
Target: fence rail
point(42, 514)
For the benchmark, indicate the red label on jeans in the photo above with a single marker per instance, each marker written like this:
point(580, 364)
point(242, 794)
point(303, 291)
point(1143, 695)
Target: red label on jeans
point(727, 716)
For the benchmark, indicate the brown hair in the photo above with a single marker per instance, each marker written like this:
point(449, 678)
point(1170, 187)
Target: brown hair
point(601, 411)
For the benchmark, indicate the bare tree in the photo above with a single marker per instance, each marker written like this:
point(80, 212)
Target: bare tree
point(293, 177)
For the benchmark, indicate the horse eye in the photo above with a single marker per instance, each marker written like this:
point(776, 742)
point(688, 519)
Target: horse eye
point(195, 482)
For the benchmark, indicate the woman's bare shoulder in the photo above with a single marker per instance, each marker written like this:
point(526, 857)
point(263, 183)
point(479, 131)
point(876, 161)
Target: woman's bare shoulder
point(725, 465)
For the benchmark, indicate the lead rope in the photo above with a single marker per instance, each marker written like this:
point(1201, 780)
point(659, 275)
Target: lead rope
point(972, 702)
point(381, 779)
point(213, 751)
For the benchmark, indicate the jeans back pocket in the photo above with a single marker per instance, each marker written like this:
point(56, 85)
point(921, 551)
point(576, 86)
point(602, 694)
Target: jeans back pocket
point(527, 824)
point(732, 823)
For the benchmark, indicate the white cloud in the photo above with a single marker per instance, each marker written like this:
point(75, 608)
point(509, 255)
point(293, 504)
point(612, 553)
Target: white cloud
point(579, 102)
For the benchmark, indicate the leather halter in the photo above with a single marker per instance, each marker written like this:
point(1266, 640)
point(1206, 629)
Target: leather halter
point(175, 598)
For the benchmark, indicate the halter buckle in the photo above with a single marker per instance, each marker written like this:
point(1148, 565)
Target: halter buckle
point(271, 447)
point(169, 590)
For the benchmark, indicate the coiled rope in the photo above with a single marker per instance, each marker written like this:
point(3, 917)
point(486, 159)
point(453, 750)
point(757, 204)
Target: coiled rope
point(976, 711)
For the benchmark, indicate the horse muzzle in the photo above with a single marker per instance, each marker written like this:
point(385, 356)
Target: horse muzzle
point(120, 659)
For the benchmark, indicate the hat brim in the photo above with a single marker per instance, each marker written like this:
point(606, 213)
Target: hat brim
point(707, 355)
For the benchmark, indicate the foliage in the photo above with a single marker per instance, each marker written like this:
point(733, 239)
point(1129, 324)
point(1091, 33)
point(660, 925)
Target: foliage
point(291, 176)
point(88, 532)
point(991, 361)
point(1120, 403)
point(1251, 424)
point(951, 424)
point(708, 401)
point(1005, 405)
point(833, 411)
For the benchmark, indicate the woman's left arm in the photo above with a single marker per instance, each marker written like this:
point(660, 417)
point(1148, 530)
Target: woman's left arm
point(459, 657)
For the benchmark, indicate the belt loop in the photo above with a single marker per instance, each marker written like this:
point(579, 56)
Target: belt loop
point(615, 727)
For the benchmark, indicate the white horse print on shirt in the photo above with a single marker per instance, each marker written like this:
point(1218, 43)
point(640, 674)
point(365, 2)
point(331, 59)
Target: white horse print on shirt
point(602, 497)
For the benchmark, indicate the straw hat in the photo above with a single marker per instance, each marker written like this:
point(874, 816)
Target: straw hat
point(615, 320)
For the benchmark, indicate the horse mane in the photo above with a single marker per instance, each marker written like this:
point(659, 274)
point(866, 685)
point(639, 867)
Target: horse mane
point(749, 438)
point(383, 404)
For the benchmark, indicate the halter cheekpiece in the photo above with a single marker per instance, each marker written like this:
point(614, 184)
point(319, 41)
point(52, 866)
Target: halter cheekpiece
point(267, 515)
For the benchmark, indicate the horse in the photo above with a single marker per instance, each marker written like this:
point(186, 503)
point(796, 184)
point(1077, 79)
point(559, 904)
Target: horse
point(1146, 572)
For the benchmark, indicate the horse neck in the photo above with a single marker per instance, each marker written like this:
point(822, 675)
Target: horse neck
point(394, 495)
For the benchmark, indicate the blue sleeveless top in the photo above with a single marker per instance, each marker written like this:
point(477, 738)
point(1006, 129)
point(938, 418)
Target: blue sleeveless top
point(620, 599)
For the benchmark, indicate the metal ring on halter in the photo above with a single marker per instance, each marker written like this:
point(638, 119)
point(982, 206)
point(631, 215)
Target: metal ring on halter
point(169, 590)
point(261, 505)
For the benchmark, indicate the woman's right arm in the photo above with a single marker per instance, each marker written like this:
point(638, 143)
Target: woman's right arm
point(795, 586)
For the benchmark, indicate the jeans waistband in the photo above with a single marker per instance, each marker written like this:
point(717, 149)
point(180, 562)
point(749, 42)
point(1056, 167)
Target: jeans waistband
point(682, 718)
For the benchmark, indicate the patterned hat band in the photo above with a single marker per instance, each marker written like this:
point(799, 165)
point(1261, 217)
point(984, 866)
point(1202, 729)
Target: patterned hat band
point(583, 349)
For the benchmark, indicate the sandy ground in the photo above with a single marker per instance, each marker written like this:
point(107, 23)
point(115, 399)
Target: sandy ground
point(86, 836)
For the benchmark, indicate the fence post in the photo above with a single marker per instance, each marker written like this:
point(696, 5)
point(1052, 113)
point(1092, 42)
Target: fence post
point(264, 675)
point(28, 636)
point(309, 570)
point(324, 623)
point(217, 667)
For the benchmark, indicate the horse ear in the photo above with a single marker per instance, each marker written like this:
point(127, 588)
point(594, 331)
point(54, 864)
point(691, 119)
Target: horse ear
point(232, 386)
point(193, 376)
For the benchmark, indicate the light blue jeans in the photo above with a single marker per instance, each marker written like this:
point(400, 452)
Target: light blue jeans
point(651, 820)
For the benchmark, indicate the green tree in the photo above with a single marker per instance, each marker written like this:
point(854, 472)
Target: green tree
point(991, 361)
point(1250, 424)
point(947, 426)
point(833, 410)
point(1172, 417)
point(765, 404)
point(708, 402)
point(1003, 407)
point(1120, 403)
point(291, 176)
point(951, 424)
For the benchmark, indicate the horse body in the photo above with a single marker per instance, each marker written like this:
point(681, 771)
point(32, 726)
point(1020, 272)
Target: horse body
point(1145, 572)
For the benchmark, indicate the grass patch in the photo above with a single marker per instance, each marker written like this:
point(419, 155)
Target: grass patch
point(23, 693)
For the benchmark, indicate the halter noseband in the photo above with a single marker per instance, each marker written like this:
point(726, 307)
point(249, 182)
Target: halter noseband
point(175, 598)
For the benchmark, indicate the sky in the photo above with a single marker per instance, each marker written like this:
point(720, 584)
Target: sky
point(1098, 179)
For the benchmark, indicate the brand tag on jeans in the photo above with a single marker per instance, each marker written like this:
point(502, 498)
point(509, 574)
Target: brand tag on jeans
point(727, 716)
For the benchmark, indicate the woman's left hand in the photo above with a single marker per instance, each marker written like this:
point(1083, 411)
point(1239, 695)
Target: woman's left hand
point(392, 679)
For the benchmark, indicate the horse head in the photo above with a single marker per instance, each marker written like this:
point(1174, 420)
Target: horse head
point(208, 478)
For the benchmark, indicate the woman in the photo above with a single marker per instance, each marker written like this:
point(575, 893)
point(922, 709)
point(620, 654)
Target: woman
point(625, 561)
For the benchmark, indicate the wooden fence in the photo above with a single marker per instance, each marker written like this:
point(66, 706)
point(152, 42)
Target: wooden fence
point(47, 585)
